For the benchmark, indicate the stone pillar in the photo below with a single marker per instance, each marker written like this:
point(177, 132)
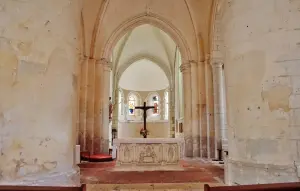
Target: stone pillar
point(195, 112)
point(38, 91)
point(90, 114)
point(212, 153)
point(83, 103)
point(172, 110)
point(105, 106)
point(219, 112)
point(262, 73)
point(115, 114)
point(98, 106)
point(202, 111)
point(187, 128)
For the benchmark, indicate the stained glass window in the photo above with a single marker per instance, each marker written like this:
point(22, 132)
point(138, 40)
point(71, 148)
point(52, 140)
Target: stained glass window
point(155, 103)
point(131, 105)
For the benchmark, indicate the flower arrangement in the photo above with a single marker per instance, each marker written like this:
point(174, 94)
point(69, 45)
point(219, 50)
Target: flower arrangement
point(144, 132)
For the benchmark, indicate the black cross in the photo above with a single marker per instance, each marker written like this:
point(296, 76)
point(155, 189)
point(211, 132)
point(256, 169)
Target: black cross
point(145, 108)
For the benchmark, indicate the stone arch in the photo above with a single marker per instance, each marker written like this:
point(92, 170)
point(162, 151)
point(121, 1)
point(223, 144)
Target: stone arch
point(159, 63)
point(154, 20)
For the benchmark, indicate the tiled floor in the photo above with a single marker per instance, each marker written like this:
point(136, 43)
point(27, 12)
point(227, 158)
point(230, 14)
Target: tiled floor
point(194, 172)
point(149, 187)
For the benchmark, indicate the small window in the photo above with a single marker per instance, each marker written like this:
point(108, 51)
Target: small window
point(131, 105)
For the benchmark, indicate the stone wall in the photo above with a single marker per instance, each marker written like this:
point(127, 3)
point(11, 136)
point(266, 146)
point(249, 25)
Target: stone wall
point(157, 129)
point(38, 57)
point(262, 69)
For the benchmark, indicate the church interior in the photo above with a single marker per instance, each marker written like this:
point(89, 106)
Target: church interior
point(149, 94)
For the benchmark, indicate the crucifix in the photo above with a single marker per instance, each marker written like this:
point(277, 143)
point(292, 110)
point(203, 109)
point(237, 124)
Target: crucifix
point(145, 108)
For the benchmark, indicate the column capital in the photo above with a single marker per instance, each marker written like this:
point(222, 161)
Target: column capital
point(193, 63)
point(215, 62)
point(185, 67)
point(98, 62)
point(107, 65)
point(84, 58)
point(207, 57)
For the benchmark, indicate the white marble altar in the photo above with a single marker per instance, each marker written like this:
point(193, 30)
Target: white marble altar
point(149, 152)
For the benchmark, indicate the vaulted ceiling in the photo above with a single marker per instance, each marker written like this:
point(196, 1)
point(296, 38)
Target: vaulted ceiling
point(144, 42)
point(144, 75)
point(191, 19)
point(149, 50)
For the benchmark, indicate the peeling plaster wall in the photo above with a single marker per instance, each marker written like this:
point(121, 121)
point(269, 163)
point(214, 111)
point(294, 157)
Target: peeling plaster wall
point(262, 69)
point(38, 54)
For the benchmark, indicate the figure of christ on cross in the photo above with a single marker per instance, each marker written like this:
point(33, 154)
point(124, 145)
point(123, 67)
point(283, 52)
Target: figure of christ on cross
point(145, 108)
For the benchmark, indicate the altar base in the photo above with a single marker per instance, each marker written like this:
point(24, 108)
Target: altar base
point(151, 154)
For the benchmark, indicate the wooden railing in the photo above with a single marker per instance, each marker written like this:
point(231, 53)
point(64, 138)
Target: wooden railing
point(41, 188)
point(259, 187)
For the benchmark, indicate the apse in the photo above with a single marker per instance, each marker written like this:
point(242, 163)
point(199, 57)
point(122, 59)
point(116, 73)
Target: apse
point(144, 75)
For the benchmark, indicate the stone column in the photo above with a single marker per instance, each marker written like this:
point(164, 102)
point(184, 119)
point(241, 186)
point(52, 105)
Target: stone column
point(187, 128)
point(83, 103)
point(195, 114)
point(90, 106)
point(262, 86)
point(98, 106)
point(172, 110)
point(115, 114)
point(209, 109)
point(219, 112)
point(105, 106)
point(202, 110)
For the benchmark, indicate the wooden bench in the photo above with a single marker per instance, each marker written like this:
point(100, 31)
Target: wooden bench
point(41, 188)
point(259, 187)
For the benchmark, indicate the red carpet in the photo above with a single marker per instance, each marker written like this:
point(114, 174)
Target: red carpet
point(96, 157)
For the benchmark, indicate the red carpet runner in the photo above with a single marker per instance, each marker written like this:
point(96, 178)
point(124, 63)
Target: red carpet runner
point(96, 157)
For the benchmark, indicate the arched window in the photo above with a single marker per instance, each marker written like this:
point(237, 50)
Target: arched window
point(132, 100)
point(155, 101)
point(166, 99)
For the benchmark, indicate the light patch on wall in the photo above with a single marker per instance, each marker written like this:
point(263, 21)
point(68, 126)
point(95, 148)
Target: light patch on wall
point(144, 75)
point(278, 97)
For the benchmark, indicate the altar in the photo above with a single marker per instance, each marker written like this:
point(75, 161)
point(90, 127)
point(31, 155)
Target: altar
point(149, 153)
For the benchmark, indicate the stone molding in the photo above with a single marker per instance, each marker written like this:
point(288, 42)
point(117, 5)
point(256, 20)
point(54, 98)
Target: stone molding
point(261, 166)
point(148, 140)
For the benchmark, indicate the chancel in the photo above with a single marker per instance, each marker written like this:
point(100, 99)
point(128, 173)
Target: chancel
point(77, 79)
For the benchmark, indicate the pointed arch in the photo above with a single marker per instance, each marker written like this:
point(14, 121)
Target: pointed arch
point(154, 20)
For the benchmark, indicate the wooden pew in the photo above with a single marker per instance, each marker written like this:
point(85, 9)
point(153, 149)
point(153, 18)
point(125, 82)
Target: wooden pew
point(259, 187)
point(41, 188)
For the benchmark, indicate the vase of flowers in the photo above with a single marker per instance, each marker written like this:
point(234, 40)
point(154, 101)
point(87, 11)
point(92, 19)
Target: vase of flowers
point(144, 132)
